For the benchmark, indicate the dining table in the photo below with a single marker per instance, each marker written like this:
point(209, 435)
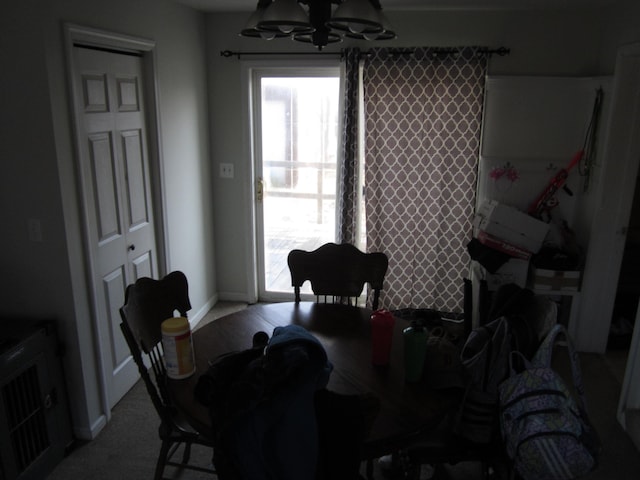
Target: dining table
point(406, 408)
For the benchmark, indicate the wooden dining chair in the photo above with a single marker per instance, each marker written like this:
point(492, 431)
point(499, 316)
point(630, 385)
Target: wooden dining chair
point(338, 272)
point(147, 304)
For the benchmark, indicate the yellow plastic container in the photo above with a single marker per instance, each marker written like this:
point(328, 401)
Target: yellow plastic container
point(179, 359)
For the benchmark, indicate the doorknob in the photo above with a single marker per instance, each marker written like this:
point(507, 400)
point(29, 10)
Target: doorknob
point(131, 248)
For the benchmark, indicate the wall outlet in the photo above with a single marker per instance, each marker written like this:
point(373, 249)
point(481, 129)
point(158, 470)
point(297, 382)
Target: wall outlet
point(226, 170)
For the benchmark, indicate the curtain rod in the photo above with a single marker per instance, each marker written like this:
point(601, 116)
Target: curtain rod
point(500, 51)
point(229, 53)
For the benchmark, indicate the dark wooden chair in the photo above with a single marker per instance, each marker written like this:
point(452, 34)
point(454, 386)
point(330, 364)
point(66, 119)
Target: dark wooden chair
point(147, 304)
point(338, 272)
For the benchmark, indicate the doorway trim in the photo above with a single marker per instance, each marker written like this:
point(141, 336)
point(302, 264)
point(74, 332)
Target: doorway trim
point(145, 48)
point(628, 83)
point(252, 137)
point(611, 218)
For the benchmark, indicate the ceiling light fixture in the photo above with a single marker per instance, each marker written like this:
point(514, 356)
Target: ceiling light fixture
point(359, 19)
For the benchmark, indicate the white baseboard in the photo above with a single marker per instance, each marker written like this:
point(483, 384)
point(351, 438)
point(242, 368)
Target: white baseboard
point(92, 432)
point(194, 318)
point(233, 297)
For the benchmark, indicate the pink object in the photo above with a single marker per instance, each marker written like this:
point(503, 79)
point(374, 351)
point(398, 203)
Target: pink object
point(382, 322)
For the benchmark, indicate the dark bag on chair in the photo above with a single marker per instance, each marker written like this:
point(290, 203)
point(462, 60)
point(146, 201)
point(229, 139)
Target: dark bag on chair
point(225, 396)
point(484, 359)
point(485, 362)
point(262, 407)
point(514, 325)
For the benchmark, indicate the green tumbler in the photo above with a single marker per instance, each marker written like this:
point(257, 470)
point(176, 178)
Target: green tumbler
point(415, 350)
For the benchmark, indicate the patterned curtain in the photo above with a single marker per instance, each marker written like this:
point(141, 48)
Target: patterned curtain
point(423, 116)
point(348, 193)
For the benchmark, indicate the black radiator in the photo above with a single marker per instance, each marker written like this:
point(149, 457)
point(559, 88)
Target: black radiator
point(35, 428)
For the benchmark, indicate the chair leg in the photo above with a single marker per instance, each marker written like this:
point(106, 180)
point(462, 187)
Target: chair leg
point(187, 452)
point(369, 470)
point(162, 459)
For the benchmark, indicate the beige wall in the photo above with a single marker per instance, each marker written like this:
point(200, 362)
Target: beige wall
point(48, 278)
point(547, 44)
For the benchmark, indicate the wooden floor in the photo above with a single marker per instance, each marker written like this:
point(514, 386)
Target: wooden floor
point(278, 244)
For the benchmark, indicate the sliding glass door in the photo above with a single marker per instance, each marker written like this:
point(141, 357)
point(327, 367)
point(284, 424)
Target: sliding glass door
point(295, 115)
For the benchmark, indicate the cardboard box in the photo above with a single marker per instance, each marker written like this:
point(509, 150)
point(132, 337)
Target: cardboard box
point(514, 271)
point(498, 244)
point(558, 280)
point(511, 225)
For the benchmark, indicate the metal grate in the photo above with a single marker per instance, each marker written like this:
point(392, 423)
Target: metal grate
point(25, 412)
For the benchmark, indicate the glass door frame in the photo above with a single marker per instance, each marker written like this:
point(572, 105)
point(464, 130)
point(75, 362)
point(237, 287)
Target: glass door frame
point(254, 71)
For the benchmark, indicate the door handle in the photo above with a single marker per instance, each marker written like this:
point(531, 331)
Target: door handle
point(259, 190)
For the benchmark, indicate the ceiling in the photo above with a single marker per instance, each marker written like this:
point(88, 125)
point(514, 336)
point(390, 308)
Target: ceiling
point(248, 5)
